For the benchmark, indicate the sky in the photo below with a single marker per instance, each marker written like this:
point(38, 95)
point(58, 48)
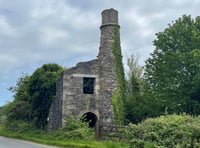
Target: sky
point(37, 32)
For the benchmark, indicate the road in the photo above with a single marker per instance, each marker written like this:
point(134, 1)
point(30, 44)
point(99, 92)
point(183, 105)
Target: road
point(14, 143)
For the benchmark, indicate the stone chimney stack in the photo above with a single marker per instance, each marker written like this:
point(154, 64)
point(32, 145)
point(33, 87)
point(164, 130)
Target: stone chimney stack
point(109, 17)
point(109, 21)
point(106, 60)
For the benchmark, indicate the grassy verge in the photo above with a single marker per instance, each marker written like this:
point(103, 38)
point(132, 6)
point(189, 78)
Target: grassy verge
point(50, 139)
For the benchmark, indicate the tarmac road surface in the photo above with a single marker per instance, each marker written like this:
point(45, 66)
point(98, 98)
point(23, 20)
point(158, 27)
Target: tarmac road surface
point(15, 143)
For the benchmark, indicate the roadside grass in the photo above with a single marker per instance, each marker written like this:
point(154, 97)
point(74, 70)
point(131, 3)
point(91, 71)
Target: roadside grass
point(50, 138)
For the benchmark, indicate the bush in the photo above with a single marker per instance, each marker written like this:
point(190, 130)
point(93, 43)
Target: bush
point(170, 131)
point(19, 126)
point(75, 129)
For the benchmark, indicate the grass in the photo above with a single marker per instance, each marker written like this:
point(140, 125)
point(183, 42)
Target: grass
point(50, 139)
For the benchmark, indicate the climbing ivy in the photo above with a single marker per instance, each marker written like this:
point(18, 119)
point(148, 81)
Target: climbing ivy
point(118, 98)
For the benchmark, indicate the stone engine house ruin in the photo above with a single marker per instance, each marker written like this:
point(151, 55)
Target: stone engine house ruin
point(86, 89)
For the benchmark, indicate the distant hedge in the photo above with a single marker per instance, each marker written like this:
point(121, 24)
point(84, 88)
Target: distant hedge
point(169, 131)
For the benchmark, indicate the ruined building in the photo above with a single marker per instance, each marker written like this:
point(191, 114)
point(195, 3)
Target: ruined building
point(86, 89)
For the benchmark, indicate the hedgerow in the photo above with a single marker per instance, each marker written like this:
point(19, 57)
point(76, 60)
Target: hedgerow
point(169, 131)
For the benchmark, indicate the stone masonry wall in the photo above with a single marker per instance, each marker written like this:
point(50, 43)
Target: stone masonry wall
point(75, 102)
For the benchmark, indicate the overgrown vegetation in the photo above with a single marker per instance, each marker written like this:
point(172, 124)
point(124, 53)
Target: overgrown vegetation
point(75, 134)
point(119, 96)
point(42, 91)
point(172, 73)
point(171, 80)
point(33, 96)
point(169, 131)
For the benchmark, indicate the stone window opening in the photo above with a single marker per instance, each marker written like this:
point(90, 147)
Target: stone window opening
point(88, 85)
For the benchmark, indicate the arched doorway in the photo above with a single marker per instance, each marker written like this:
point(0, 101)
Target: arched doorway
point(90, 118)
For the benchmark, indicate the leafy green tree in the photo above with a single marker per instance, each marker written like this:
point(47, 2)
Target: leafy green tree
point(42, 90)
point(139, 105)
point(32, 97)
point(19, 109)
point(21, 89)
point(3, 117)
point(133, 89)
point(172, 71)
point(134, 82)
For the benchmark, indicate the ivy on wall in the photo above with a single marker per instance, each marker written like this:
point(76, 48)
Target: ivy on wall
point(118, 98)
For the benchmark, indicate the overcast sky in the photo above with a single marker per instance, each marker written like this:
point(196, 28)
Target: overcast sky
point(36, 32)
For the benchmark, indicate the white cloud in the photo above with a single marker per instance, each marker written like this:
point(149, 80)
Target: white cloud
point(5, 28)
point(52, 35)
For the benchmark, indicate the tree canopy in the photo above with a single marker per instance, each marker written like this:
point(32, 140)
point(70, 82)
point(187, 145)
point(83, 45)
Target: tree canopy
point(42, 90)
point(33, 96)
point(172, 72)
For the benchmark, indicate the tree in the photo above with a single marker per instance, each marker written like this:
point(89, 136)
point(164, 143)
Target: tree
point(21, 89)
point(133, 100)
point(42, 90)
point(139, 106)
point(172, 71)
point(134, 75)
point(33, 96)
point(19, 109)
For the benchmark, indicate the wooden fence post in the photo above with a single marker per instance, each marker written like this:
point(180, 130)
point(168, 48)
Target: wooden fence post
point(97, 131)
